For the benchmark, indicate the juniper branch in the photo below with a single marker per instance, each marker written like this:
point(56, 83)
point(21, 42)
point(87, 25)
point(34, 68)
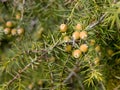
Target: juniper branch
point(90, 26)
point(37, 60)
point(25, 68)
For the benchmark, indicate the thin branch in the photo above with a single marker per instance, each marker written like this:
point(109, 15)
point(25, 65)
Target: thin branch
point(90, 26)
point(78, 78)
point(117, 88)
point(68, 77)
point(25, 68)
point(73, 73)
point(37, 60)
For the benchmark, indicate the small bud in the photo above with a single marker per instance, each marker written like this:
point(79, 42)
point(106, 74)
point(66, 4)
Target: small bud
point(97, 61)
point(92, 42)
point(18, 16)
point(97, 48)
point(68, 48)
point(66, 38)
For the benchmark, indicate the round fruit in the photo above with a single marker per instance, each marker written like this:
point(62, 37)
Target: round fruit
point(13, 32)
point(92, 42)
point(68, 48)
point(30, 86)
point(76, 53)
point(110, 52)
point(63, 28)
point(117, 61)
point(78, 27)
point(18, 16)
point(83, 35)
point(84, 48)
point(7, 30)
point(40, 82)
point(20, 31)
point(97, 48)
point(66, 39)
point(97, 61)
point(75, 35)
point(9, 24)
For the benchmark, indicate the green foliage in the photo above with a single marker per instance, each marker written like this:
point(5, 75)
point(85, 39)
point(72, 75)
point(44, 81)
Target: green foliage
point(37, 59)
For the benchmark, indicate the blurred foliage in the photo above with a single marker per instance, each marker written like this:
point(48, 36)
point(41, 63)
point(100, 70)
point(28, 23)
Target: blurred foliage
point(33, 56)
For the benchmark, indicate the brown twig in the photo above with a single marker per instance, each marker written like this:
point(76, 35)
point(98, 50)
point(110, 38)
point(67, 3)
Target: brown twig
point(90, 26)
point(73, 73)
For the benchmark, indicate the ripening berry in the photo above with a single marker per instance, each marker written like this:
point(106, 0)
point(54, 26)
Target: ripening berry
point(18, 16)
point(66, 38)
point(117, 61)
point(40, 82)
point(20, 31)
point(110, 52)
point(76, 53)
point(97, 61)
point(84, 48)
point(13, 32)
point(75, 35)
point(63, 28)
point(7, 30)
point(30, 86)
point(9, 24)
point(92, 42)
point(83, 35)
point(68, 48)
point(78, 27)
point(97, 48)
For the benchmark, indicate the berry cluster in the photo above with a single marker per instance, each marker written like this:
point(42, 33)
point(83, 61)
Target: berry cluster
point(78, 34)
point(82, 43)
point(9, 29)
